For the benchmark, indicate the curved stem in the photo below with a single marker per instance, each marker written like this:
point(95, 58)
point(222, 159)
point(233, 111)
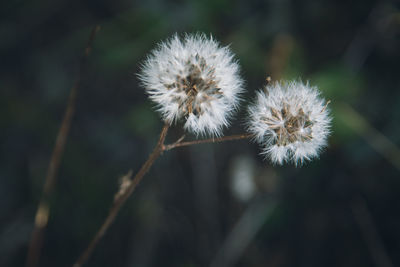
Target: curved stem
point(128, 185)
point(121, 197)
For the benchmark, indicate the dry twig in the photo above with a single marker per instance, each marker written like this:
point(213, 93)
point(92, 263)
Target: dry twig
point(204, 141)
point(128, 186)
point(42, 213)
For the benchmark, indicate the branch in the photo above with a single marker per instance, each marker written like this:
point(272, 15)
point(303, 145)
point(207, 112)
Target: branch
point(377, 140)
point(42, 213)
point(128, 185)
point(204, 141)
point(123, 195)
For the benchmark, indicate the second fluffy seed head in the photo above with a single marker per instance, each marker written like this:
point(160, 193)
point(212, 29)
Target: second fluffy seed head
point(290, 120)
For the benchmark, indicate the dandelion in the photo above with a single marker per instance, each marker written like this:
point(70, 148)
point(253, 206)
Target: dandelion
point(290, 120)
point(194, 80)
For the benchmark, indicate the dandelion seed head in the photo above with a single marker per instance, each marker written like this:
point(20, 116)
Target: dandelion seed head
point(290, 120)
point(195, 80)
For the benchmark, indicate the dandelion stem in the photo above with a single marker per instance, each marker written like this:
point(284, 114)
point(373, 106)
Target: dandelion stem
point(129, 185)
point(43, 211)
point(204, 141)
point(122, 198)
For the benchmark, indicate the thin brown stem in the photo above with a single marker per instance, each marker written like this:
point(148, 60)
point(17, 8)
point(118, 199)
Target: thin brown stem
point(210, 140)
point(128, 185)
point(42, 213)
point(123, 195)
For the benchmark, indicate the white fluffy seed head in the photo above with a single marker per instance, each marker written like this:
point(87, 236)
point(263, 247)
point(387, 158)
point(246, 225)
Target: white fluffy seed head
point(290, 120)
point(193, 79)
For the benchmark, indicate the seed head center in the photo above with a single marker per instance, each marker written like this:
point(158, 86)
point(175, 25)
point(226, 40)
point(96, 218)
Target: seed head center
point(288, 127)
point(199, 87)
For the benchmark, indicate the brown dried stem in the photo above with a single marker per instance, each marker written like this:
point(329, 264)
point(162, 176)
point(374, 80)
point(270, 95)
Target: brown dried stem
point(128, 185)
point(210, 140)
point(42, 213)
point(123, 195)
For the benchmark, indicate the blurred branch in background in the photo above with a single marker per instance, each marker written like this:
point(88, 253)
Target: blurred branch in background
point(244, 232)
point(370, 233)
point(43, 211)
point(378, 23)
point(378, 141)
point(380, 20)
point(279, 55)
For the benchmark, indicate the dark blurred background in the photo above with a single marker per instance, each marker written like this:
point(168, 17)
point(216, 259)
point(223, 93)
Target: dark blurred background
point(207, 205)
